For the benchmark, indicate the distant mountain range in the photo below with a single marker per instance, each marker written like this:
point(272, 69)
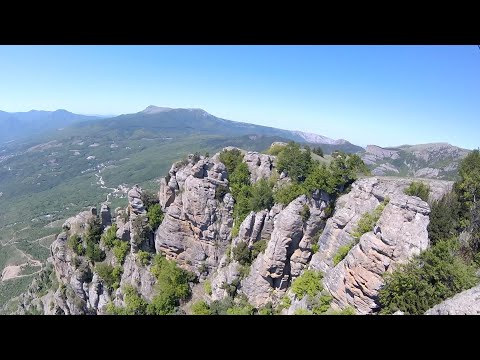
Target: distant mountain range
point(23, 124)
point(436, 160)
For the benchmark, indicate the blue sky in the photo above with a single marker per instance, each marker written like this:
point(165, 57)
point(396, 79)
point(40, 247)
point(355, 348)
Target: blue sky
point(384, 95)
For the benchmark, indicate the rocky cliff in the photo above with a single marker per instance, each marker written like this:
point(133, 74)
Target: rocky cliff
point(283, 241)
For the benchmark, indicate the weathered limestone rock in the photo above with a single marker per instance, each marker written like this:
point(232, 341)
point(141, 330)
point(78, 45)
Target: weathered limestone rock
point(259, 165)
point(401, 233)
point(196, 228)
point(139, 277)
point(135, 201)
point(465, 303)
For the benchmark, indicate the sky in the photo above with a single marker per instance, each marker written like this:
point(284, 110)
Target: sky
point(382, 95)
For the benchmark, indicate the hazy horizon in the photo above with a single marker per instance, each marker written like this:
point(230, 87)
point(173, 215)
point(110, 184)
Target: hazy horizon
point(382, 95)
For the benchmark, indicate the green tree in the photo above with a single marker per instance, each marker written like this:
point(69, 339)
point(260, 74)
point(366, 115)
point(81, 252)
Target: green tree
point(261, 196)
point(444, 218)
point(309, 283)
point(295, 162)
point(417, 188)
point(241, 253)
point(109, 236)
point(76, 244)
point(120, 250)
point(201, 308)
point(435, 275)
point(231, 158)
point(155, 216)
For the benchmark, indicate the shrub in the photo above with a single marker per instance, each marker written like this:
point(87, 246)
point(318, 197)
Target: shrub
point(368, 220)
point(109, 236)
point(295, 162)
point(286, 194)
point(94, 230)
point(109, 274)
point(315, 248)
point(347, 311)
point(201, 308)
point(275, 149)
point(220, 307)
point(305, 213)
point(207, 286)
point(143, 257)
point(309, 283)
point(241, 310)
point(257, 248)
point(419, 189)
point(435, 275)
point(155, 216)
point(241, 253)
point(244, 271)
point(302, 312)
point(342, 252)
point(261, 196)
point(322, 305)
point(120, 250)
point(94, 253)
point(172, 285)
point(141, 229)
point(444, 218)
point(75, 243)
point(231, 158)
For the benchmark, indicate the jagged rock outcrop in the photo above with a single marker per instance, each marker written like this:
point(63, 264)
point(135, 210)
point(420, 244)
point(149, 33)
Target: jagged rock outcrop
point(138, 276)
point(78, 224)
point(427, 172)
point(288, 249)
point(465, 303)
point(259, 165)
point(401, 232)
point(226, 275)
point(196, 227)
point(135, 202)
point(105, 215)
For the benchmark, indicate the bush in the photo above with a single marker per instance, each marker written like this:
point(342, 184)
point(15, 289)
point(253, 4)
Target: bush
point(155, 216)
point(201, 308)
point(207, 286)
point(295, 162)
point(315, 248)
point(275, 149)
point(109, 236)
point(419, 189)
point(94, 231)
point(368, 220)
point(172, 285)
point(94, 253)
point(261, 196)
point(231, 158)
point(309, 283)
point(141, 229)
point(75, 243)
point(239, 178)
point(120, 250)
point(444, 218)
point(109, 274)
point(220, 307)
point(341, 253)
point(435, 275)
point(322, 305)
point(257, 248)
point(143, 257)
point(287, 193)
point(241, 310)
point(305, 213)
point(302, 312)
point(347, 311)
point(241, 253)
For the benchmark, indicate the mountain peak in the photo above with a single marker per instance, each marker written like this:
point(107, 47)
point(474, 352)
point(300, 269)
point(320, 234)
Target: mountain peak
point(152, 109)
